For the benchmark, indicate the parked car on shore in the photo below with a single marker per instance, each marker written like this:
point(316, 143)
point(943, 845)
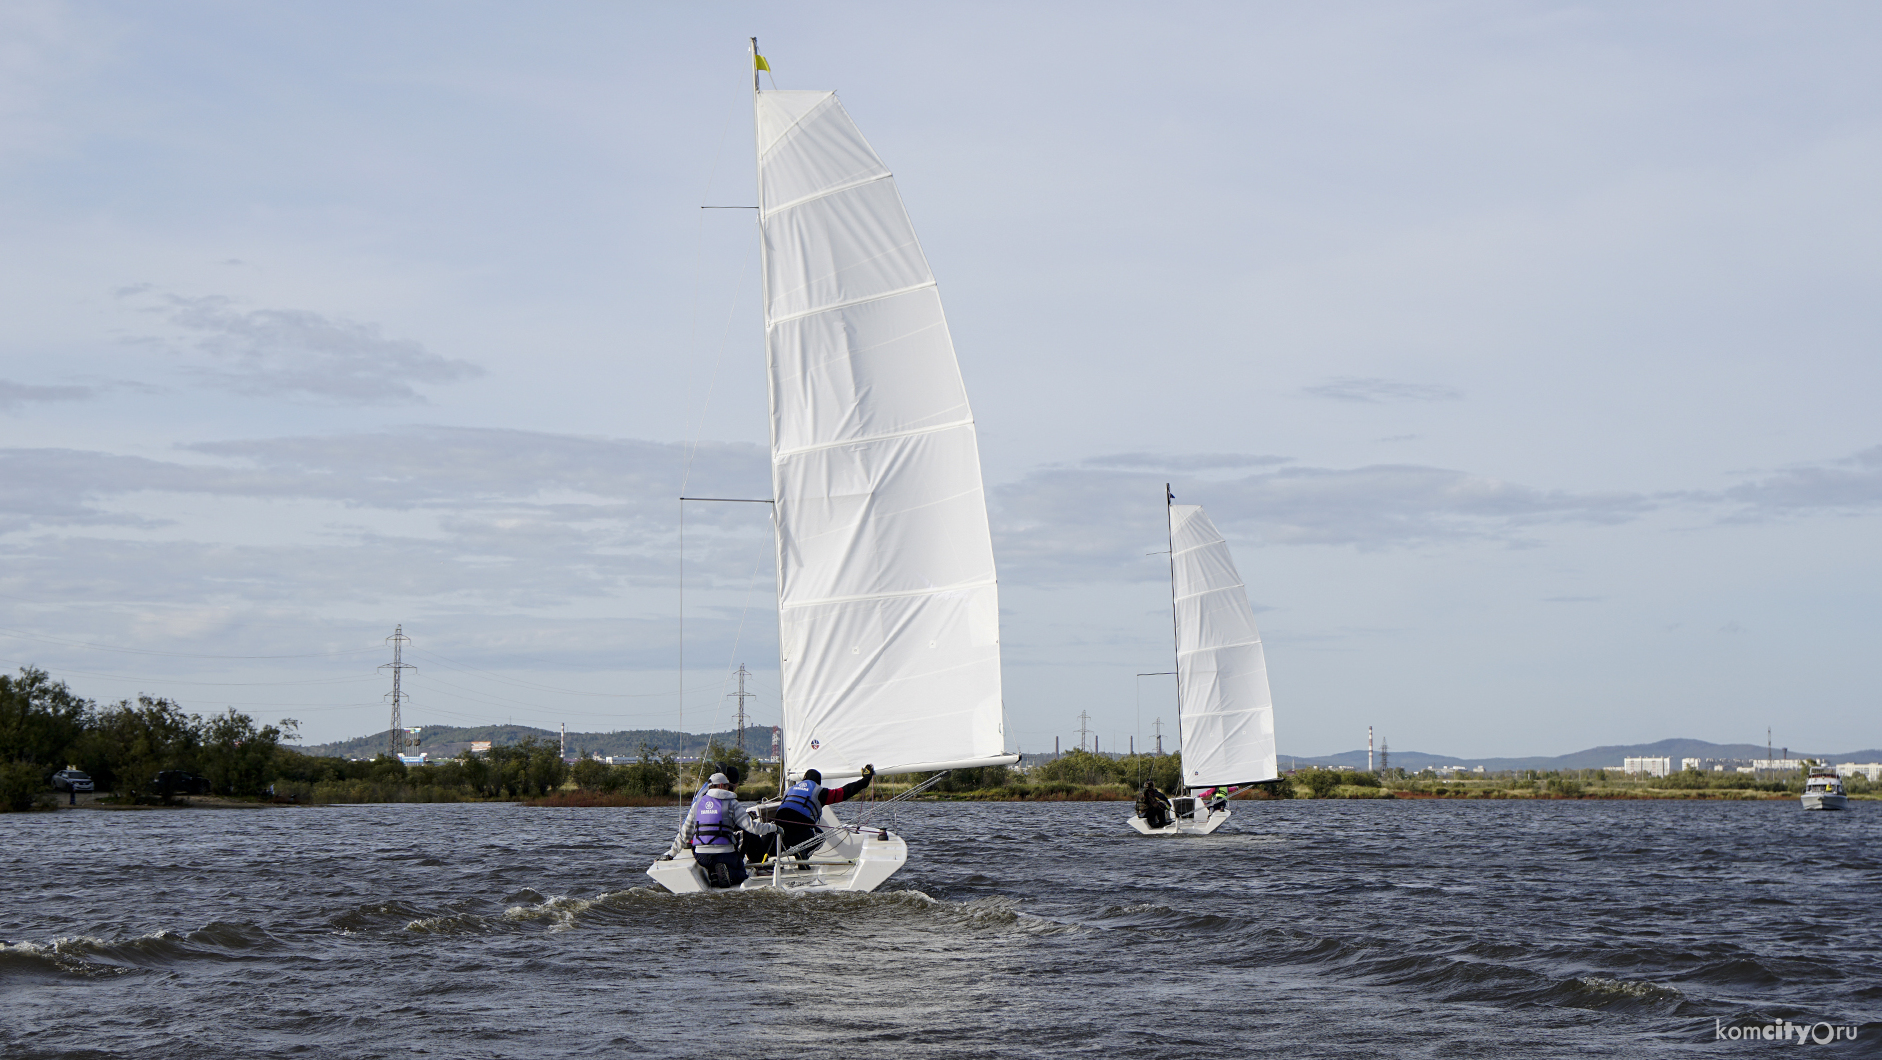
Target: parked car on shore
point(71, 780)
point(178, 782)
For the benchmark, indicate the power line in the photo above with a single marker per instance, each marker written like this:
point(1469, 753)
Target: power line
point(176, 654)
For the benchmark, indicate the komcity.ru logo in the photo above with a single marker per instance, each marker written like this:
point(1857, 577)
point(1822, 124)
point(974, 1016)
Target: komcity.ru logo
point(1784, 1031)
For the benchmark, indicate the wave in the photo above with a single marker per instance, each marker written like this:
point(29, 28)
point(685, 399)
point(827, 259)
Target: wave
point(92, 956)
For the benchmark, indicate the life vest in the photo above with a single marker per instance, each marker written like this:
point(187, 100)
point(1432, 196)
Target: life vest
point(712, 824)
point(805, 798)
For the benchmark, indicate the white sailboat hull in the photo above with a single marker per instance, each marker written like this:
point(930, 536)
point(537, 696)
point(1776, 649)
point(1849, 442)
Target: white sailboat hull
point(850, 859)
point(1202, 822)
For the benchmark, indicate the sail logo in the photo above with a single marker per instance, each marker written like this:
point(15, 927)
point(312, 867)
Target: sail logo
point(1820, 1033)
point(814, 744)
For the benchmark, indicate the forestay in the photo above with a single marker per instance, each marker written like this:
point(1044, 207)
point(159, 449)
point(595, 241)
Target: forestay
point(1221, 674)
point(888, 607)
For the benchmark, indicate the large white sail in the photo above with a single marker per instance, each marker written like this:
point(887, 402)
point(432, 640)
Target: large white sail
point(1221, 673)
point(888, 609)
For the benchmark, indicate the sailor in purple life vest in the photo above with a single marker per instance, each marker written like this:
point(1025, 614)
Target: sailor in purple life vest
point(803, 806)
point(733, 779)
point(712, 828)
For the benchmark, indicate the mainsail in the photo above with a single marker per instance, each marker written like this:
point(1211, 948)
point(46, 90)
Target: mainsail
point(888, 610)
point(1221, 674)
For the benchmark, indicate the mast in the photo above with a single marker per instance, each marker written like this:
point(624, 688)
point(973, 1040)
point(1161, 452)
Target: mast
point(771, 402)
point(1176, 636)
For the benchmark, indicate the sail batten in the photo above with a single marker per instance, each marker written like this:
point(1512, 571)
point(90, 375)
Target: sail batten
point(888, 599)
point(1226, 712)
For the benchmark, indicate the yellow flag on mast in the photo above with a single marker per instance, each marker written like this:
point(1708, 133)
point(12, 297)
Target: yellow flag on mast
point(758, 62)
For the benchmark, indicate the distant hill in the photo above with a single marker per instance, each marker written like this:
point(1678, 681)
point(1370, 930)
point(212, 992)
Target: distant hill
point(446, 741)
point(1592, 758)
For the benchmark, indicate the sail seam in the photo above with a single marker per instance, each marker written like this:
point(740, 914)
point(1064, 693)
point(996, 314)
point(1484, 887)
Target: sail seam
point(814, 196)
point(894, 595)
point(1217, 589)
point(802, 449)
point(1219, 647)
point(787, 318)
point(1192, 548)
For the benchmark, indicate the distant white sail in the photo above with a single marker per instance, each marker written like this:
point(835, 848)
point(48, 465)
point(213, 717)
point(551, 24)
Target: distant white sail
point(888, 608)
point(1221, 673)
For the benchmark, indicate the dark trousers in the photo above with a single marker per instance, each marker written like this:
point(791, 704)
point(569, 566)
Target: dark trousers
point(794, 830)
point(725, 869)
point(1157, 815)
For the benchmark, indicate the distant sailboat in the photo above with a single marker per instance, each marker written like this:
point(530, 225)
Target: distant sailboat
point(888, 608)
point(1225, 713)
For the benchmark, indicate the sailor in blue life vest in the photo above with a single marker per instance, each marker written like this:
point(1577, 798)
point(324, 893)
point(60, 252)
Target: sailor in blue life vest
point(803, 806)
point(712, 827)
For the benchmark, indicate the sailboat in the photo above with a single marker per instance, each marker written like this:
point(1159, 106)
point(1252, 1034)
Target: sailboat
point(888, 607)
point(1225, 713)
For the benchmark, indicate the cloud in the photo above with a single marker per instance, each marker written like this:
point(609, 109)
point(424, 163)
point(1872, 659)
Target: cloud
point(540, 516)
point(303, 354)
point(1096, 522)
point(1851, 484)
point(1375, 391)
point(13, 395)
point(1181, 462)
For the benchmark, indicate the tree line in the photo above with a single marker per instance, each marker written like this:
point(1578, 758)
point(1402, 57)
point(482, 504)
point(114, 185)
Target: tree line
point(45, 727)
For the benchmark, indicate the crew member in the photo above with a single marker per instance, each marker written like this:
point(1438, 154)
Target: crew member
point(798, 813)
point(733, 777)
point(1153, 806)
point(712, 827)
point(1218, 798)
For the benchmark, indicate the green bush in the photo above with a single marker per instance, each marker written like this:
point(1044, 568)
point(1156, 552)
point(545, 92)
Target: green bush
point(652, 775)
point(1324, 783)
point(1083, 767)
point(20, 784)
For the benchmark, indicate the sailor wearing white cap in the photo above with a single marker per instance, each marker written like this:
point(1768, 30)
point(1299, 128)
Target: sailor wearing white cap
point(712, 827)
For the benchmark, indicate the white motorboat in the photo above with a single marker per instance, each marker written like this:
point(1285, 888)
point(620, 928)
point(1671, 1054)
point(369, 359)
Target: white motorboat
point(888, 607)
point(1224, 710)
point(1823, 790)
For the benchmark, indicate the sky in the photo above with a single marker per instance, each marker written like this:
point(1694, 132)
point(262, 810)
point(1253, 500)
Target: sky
point(1526, 353)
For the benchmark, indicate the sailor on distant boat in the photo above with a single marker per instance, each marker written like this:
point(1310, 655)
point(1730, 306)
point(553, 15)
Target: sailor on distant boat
point(803, 805)
point(712, 827)
point(1153, 806)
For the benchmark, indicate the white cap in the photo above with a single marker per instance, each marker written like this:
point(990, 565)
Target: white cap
point(719, 778)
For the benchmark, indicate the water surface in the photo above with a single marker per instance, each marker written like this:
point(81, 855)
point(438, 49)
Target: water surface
point(1303, 929)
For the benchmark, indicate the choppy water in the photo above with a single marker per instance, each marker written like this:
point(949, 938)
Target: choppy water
point(1305, 929)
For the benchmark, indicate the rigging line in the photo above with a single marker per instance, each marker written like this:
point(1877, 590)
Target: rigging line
point(718, 360)
point(180, 654)
point(751, 586)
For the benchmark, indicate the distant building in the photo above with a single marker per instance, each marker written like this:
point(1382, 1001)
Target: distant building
point(1762, 764)
point(479, 747)
point(418, 759)
point(1653, 767)
point(1716, 765)
point(1870, 770)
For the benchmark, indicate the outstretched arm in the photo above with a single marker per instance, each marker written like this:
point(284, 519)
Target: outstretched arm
point(832, 796)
